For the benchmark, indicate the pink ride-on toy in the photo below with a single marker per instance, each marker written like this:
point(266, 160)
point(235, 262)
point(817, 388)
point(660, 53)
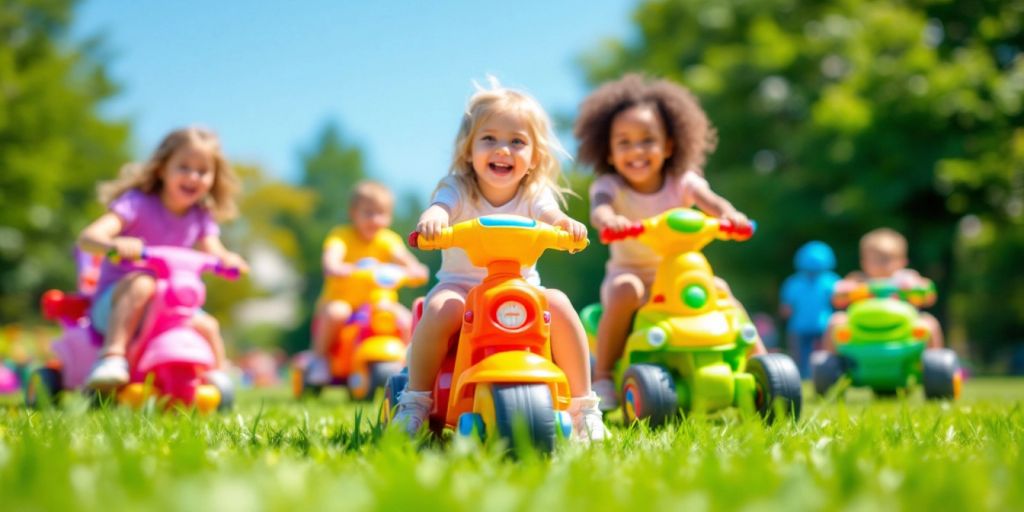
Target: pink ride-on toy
point(167, 347)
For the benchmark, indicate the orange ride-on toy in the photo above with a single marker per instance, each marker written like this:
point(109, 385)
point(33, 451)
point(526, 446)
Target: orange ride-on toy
point(369, 347)
point(498, 372)
point(689, 345)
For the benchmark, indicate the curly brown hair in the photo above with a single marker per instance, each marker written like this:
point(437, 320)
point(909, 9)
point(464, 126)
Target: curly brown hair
point(692, 135)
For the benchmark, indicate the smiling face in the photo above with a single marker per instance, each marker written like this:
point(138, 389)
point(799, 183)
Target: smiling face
point(187, 178)
point(369, 216)
point(502, 152)
point(639, 147)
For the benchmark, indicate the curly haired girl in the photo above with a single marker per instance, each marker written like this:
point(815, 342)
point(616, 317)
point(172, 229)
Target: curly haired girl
point(646, 141)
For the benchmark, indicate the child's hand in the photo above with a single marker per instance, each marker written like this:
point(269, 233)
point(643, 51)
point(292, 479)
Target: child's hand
point(431, 227)
point(128, 248)
point(419, 272)
point(615, 223)
point(233, 260)
point(574, 227)
point(736, 217)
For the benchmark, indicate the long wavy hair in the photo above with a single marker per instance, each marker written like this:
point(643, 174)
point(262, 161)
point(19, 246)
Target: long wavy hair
point(483, 105)
point(146, 176)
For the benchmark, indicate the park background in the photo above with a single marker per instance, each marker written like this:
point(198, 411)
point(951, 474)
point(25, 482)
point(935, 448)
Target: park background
point(833, 118)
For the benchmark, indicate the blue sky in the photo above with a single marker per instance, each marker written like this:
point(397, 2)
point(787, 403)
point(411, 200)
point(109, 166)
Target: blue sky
point(394, 75)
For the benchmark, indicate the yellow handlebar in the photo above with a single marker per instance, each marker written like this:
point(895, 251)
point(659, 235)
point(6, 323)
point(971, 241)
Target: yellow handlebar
point(500, 237)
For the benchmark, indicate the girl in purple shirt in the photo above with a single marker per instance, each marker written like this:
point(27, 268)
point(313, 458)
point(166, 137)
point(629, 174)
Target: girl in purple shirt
point(171, 199)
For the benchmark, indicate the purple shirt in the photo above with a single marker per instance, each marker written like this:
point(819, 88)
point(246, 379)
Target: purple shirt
point(144, 216)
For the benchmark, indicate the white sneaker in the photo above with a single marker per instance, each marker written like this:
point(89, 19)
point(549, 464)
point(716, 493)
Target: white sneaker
point(413, 409)
point(587, 424)
point(108, 372)
point(605, 390)
point(318, 373)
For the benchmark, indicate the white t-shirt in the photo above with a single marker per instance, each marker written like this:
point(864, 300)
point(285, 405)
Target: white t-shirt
point(455, 265)
point(677, 191)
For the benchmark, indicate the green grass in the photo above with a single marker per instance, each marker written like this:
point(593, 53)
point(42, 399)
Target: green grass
point(275, 454)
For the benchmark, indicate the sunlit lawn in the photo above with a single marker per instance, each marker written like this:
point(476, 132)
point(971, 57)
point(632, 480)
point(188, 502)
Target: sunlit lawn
point(276, 454)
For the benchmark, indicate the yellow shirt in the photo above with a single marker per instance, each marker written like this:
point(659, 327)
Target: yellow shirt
point(382, 248)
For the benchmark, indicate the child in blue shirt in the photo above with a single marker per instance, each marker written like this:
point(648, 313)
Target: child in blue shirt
point(806, 300)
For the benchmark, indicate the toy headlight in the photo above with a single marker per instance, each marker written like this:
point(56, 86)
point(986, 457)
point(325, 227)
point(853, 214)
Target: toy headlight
point(511, 314)
point(748, 333)
point(656, 336)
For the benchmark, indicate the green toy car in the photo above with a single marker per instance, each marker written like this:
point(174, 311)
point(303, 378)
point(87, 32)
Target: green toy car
point(689, 344)
point(883, 345)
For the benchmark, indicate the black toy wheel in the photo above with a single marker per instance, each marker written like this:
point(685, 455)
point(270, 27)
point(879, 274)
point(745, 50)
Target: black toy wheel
point(373, 377)
point(394, 385)
point(940, 374)
point(44, 387)
point(523, 413)
point(826, 370)
point(778, 386)
point(648, 391)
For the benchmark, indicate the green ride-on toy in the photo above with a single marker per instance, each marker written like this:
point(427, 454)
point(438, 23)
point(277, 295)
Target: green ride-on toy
point(689, 344)
point(883, 343)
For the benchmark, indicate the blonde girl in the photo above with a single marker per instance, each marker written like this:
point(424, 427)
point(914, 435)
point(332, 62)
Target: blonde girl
point(504, 162)
point(171, 199)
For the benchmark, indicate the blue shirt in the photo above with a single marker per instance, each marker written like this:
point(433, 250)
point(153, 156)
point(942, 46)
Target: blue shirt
point(809, 297)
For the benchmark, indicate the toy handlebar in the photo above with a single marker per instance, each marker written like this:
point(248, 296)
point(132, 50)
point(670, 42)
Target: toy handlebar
point(609, 235)
point(919, 294)
point(180, 256)
point(729, 229)
point(737, 231)
point(443, 240)
point(498, 237)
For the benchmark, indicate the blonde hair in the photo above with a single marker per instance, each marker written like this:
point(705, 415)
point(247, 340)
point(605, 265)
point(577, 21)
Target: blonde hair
point(145, 177)
point(885, 241)
point(369, 190)
point(483, 105)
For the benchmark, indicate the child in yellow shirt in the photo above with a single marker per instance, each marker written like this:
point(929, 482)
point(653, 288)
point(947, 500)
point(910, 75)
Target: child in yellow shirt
point(370, 213)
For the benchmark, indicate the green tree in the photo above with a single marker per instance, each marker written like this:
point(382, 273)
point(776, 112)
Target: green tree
point(837, 118)
point(54, 147)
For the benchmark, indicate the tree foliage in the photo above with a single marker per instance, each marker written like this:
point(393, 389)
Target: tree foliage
point(836, 118)
point(54, 147)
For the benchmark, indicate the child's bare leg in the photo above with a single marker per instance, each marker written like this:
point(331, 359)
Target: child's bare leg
point(758, 347)
point(330, 316)
point(209, 328)
point(131, 296)
point(569, 343)
point(442, 317)
point(937, 340)
point(624, 296)
point(828, 341)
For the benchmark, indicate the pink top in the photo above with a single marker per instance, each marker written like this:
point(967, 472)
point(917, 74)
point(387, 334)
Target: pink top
point(144, 216)
point(678, 191)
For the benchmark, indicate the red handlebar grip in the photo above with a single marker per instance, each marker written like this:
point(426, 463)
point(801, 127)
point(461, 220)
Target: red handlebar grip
point(739, 232)
point(609, 235)
point(414, 238)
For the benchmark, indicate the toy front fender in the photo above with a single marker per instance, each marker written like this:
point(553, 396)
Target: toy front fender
point(516, 366)
point(180, 345)
point(379, 348)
